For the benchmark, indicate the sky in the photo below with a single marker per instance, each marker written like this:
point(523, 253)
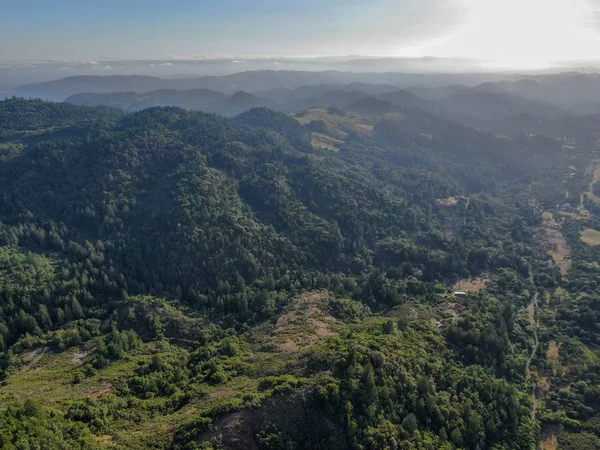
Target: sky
point(505, 33)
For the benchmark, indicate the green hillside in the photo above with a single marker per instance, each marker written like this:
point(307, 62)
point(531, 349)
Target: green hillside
point(173, 279)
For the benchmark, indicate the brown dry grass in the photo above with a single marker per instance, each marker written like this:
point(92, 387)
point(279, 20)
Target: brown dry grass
point(552, 357)
point(553, 351)
point(550, 437)
point(555, 240)
point(337, 126)
point(474, 285)
point(32, 358)
point(106, 439)
point(105, 388)
point(590, 236)
point(304, 323)
point(320, 140)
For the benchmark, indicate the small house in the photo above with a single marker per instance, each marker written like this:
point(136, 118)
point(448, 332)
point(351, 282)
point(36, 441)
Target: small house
point(460, 294)
point(458, 307)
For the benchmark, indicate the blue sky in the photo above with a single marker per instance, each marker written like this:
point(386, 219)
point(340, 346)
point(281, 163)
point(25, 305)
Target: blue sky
point(501, 30)
point(131, 28)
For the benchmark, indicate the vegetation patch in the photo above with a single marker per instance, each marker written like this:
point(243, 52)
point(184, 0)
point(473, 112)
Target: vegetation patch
point(552, 356)
point(473, 285)
point(550, 436)
point(590, 236)
point(323, 141)
point(335, 126)
point(304, 322)
point(555, 240)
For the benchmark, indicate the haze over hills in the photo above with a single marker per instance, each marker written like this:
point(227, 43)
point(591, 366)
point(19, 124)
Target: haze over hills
point(15, 73)
point(315, 225)
point(497, 106)
point(252, 81)
point(277, 260)
point(198, 275)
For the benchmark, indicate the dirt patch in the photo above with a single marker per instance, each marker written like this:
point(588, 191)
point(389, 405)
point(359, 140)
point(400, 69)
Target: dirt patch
point(106, 439)
point(550, 436)
point(104, 388)
point(556, 242)
point(32, 358)
point(474, 285)
point(77, 357)
point(553, 350)
point(304, 322)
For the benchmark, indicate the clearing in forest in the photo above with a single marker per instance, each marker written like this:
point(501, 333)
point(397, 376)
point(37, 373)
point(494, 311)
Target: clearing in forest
point(590, 236)
point(303, 323)
point(553, 238)
point(550, 437)
point(321, 140)
point(595, 167)
point(552, 356)
point(338, 126)
point(474, 285)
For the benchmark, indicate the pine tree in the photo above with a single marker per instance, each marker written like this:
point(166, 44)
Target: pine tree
point(43, 317)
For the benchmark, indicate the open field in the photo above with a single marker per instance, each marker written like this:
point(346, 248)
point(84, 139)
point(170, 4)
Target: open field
point(320, 140)
point(304, 323)
point(590, 236)
point(338, 127)
point(474, 285)
point(337, 124)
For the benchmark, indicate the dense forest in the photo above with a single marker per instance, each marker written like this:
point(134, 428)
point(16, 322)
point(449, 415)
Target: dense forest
point(175, 279)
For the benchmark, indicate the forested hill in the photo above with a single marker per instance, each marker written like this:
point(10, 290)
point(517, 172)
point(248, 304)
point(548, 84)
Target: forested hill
point(174, 279)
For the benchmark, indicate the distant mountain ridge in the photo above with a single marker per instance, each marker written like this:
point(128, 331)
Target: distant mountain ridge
point(195, 99)
point(251, 81)
point(545, 104)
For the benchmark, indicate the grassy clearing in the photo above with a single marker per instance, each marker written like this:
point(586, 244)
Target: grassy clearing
point(550, 436)
point(474, 285)
point(556, 242)
point(338, 124)
point(590, 236)
point(338, 127)
point(49, 379)
point(323, 141)
point(304, 323)
point(552, 356)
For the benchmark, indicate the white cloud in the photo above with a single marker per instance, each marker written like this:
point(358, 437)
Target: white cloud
point(522, 33)
point(167, 64)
